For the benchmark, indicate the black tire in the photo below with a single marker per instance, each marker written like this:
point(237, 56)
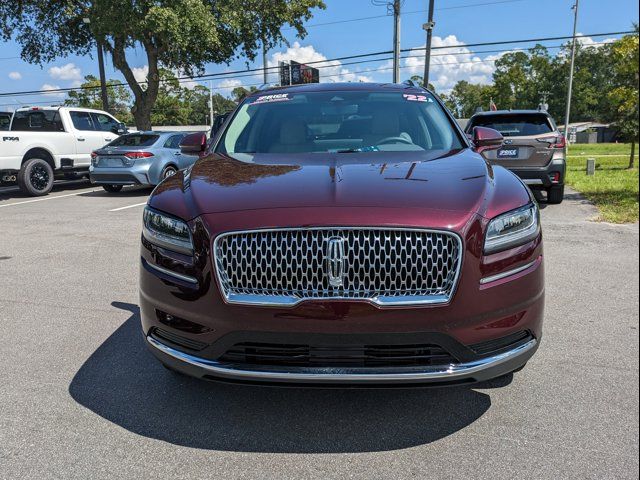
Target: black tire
point(35, 178)
point(112, 188)
point(168, 171)
point(555, 194)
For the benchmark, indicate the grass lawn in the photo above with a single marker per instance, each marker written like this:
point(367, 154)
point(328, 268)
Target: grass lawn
point(614, 188)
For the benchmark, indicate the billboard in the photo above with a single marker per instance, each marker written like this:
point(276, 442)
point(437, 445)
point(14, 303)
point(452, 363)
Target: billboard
point(294, 73)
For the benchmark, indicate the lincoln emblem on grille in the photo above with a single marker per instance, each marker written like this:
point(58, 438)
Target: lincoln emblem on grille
point(335, 261)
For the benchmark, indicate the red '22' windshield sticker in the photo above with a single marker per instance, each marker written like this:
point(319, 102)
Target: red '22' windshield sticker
point(417, 98)
point(276, 97)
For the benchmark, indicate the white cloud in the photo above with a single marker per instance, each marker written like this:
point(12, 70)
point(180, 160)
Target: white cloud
point(449, 66)
point(590, 42)
point(66, 72)
point(140, 73)
point(15, 75)
point(224, 87)
point(47, 87)
point(330, 71)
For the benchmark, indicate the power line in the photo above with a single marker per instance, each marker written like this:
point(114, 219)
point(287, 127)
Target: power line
point(241, 73)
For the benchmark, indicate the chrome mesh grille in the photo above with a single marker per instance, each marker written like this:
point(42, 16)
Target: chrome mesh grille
point(385, 266)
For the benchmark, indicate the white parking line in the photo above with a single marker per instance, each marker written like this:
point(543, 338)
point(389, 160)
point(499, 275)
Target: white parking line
point(128, 206)
point(50, 197)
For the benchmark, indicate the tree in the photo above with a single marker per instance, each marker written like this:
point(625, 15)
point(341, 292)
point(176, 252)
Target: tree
point(239, 93)
point(89, 97)
point(181, 35)
point(466, 98)
point(419, 80)
point(624, 95)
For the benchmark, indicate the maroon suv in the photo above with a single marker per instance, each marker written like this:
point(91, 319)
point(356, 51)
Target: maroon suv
point(343, 234)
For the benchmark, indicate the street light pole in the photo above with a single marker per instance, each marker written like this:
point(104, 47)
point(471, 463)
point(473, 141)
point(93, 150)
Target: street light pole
point(573, 58)
point(427, 54)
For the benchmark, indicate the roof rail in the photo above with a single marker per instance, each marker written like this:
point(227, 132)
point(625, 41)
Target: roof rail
point(267, 86)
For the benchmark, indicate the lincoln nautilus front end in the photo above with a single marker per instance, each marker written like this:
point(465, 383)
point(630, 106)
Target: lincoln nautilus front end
point(343, 234)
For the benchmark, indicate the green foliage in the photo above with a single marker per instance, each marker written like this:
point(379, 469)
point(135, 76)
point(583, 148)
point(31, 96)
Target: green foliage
point(466, 98)
point(181, 35)
point(614, 187)
point(239, 93)
point(90, 97)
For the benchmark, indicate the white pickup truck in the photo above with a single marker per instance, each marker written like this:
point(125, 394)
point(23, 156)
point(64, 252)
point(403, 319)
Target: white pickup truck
point(47, 142)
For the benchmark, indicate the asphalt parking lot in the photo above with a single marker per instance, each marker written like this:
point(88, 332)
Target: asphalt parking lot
point(80, 397)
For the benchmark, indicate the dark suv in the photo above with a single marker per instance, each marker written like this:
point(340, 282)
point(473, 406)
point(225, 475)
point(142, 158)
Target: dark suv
point(534, 149)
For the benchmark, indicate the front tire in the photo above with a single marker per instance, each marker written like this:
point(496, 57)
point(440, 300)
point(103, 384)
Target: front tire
point(168, 171)
point(555, 194)
point(35, 178)
point(112, 188)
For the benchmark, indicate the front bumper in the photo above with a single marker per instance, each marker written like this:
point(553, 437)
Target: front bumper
point(455, 373)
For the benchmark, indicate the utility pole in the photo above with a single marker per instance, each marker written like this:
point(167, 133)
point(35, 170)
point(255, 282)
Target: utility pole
point(103, 81)
point(428, 27)
point(211, 102)
point(573, 58)
point(264, 62)
point(396, 41)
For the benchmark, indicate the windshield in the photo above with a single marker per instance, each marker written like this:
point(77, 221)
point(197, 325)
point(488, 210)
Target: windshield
point(342, 122)
point(515, 125)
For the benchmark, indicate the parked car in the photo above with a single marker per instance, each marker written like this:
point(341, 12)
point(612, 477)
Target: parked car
point(534, 149)
point(5, 120)
point(343, 234)
point(140, 158)
point(44, 143)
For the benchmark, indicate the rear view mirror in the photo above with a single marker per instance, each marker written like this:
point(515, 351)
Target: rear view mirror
point(486, 139)
point(194, 144)
point(119, 129)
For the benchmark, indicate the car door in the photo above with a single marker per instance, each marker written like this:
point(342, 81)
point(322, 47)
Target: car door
point(88, 138)
point(173, 145)
point(107, 125)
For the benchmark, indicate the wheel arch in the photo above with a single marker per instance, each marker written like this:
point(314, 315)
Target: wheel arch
point(39, 152)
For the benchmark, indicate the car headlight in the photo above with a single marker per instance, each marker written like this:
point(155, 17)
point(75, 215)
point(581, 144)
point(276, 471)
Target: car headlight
point(167, 232)
point(512, 229)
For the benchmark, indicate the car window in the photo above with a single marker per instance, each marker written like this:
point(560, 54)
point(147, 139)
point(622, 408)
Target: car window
point(134, 140)
point(514, 125)
point(82, 120)
point(37, 120)
point(174, 141)
point(5, 120)
point(337, 121)
point(104, 122)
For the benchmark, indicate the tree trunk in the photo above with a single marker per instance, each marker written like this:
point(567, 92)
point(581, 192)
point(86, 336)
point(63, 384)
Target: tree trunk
point(144, 99)
point(632, 157)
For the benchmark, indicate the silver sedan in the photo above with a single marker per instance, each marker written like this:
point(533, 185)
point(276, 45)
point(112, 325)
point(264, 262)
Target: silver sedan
point(140, 158)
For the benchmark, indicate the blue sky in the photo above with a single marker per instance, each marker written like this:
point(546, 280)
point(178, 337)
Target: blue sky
point(458, 22)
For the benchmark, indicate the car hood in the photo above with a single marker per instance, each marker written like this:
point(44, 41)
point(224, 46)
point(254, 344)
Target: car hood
point(459, 181)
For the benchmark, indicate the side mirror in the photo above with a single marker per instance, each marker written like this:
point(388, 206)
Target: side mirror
point(486, 139)
point(119, 129)
point(193, 144)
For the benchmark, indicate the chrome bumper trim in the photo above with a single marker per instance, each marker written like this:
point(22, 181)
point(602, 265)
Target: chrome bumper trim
point(347, 375)
point(508, 273)
point(532, 181)
point(184, 278)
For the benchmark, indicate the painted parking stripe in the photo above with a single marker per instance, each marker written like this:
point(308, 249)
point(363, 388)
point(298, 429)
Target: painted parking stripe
point(44, 199)
point(128, 206)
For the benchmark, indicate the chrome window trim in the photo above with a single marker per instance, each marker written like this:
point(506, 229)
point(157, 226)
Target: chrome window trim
point(290, 301)
point(349, 375)
point(508, 273)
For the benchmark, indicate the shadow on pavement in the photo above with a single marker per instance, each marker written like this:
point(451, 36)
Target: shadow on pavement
point(126, 192)
point(123, 383)
point(62, 186)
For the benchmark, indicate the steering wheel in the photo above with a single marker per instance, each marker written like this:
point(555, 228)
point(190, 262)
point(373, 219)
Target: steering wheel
point(404, 140)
